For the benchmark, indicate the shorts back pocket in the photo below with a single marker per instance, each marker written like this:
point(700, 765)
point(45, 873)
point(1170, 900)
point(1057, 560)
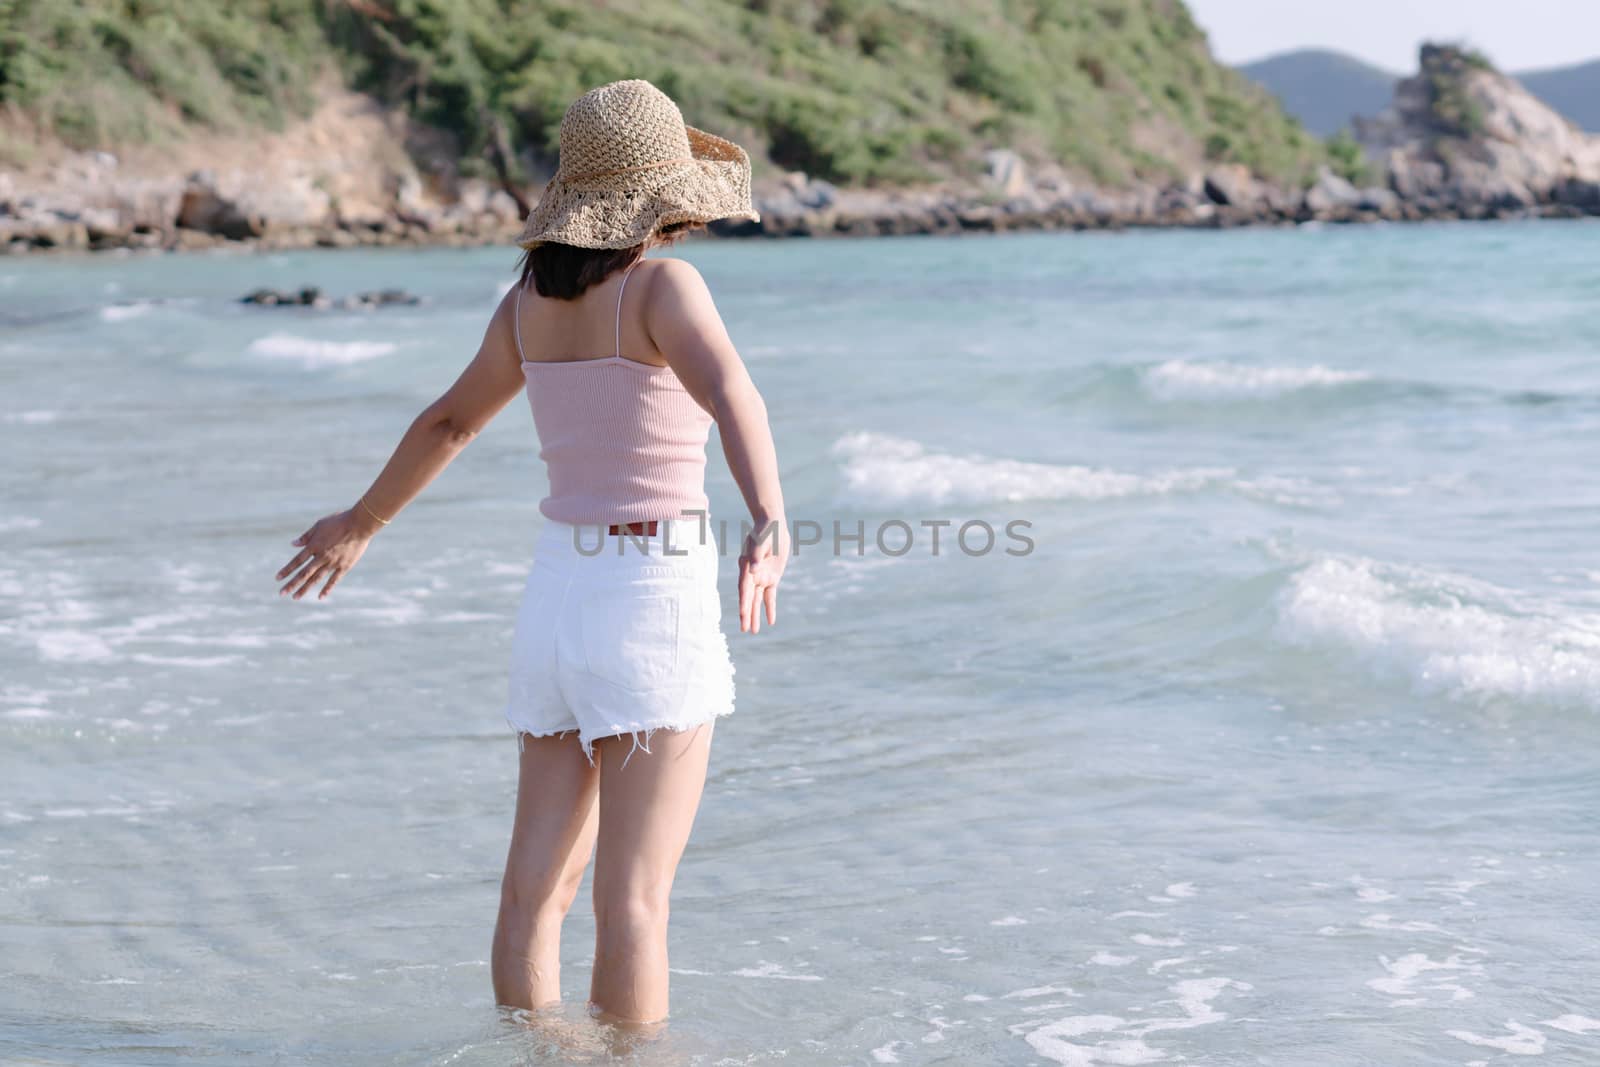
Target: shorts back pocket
point(632, 641)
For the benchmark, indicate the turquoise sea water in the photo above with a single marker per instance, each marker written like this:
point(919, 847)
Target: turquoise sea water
point(1279, 748)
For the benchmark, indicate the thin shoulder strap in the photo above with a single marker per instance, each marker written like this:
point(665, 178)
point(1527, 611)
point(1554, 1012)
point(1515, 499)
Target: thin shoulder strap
point(516, 320)
point(620, 290)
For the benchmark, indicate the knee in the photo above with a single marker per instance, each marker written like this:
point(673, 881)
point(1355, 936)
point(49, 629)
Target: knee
point(632, 913)
point(535, 895)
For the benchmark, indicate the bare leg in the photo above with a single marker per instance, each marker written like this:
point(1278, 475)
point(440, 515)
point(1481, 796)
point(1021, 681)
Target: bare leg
point(646, 812)
point(551, 841)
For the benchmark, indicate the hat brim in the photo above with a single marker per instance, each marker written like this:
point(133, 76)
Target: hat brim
point(619, 211)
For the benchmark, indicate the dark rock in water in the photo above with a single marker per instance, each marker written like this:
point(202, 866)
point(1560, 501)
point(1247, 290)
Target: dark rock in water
point(382, 298)
point(312, 297)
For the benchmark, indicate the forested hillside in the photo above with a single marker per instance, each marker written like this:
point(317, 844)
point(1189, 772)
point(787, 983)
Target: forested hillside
point(862, 92)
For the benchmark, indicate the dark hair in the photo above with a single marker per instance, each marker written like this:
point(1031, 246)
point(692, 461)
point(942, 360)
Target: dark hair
point(565, 271)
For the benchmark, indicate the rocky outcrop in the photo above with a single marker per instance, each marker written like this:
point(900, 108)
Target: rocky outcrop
point(1461, 136)
point(351, 174)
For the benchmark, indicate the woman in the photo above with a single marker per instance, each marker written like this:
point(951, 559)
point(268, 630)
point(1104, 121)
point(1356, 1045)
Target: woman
point(620, 669)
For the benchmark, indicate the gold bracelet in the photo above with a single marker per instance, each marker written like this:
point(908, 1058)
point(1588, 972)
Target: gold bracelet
point(368, 508)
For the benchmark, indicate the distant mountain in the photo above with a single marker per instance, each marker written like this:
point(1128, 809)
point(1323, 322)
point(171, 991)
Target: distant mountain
point(1573, 91)
point(1323, 89)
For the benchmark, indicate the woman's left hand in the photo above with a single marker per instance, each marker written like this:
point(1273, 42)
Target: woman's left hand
point(328, 550)
point(761, 566)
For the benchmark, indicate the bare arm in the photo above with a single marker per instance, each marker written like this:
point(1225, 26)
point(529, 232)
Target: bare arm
point(336, 542)
point(685, 325)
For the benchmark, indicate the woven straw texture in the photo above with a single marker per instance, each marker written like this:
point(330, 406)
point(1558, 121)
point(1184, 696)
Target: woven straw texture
point(630, 165)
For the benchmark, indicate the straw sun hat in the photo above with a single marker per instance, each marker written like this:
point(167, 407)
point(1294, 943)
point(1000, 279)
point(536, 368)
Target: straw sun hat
point(629, 165)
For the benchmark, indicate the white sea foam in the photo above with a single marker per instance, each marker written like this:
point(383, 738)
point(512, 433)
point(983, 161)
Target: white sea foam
point(1521, 1041)
point(887, 1053)
point(312, 353)
point(1151, 941)
point(73, 646)
point(1193, 997)
point(1573, 1024)
point(28, 713)
point(1404, 974)
point(1038, 991)
point(1385, 921)
point(123, 312)
point(32, 418)
point(766, 969)
point(1446, 633)
point(883, 469)
point(1182, 379)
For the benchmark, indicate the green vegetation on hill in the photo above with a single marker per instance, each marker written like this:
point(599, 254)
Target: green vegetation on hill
point(858, 91)
point(1444, 69)
point(102, 72)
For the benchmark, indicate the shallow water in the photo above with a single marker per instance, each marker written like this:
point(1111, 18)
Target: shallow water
point(1278, 747)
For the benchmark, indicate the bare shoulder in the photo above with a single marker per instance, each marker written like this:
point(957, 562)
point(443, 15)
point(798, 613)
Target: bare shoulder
point(670, 275)
point(501, 333)
point(677, 291)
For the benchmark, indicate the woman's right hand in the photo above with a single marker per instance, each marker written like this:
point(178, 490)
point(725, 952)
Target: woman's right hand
point(328, 550)
point(761, 563)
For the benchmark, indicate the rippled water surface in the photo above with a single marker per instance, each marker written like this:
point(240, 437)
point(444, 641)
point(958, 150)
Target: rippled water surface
point(1278, 748)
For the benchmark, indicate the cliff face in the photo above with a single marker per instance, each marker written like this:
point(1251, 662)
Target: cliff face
point(1462, 134)
point(351, 172)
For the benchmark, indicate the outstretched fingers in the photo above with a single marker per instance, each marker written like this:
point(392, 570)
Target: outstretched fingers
point(312, 575)
point(294, 564)
point(747, 596)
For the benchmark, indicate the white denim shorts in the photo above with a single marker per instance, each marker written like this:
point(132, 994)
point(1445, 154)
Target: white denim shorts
point(620, 634)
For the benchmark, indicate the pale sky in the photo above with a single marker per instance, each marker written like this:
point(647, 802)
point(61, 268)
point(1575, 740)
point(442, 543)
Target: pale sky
point(1516, 34)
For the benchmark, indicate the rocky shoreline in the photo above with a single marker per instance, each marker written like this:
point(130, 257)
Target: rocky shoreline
point(1221, 199)
point(1460, 141)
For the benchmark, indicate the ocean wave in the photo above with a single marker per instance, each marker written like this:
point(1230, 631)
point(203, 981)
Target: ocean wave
point(1445, 633)
point(1181, 379)
point(32, 418)
point(883, 469)
point(312, 353)
point(123, 312)
point(880, 468)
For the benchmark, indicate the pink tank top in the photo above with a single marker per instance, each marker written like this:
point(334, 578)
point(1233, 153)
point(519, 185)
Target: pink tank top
point(622, 441)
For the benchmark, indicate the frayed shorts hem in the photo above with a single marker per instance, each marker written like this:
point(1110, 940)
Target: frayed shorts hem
point(635, 730)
